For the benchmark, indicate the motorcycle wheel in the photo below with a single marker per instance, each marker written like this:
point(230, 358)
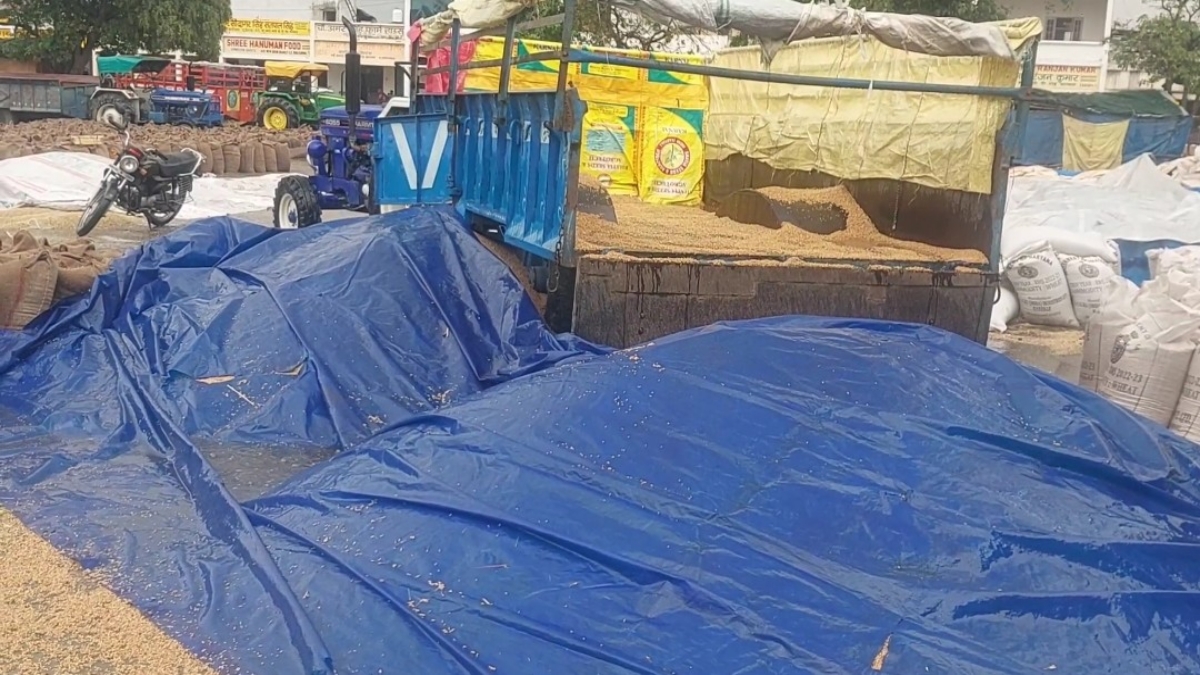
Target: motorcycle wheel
point(160, 218)
point(94, 211)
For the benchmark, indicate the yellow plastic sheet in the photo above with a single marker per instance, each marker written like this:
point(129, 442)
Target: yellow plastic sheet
point(938, 140)
point(642, 131)
point(1089, 147)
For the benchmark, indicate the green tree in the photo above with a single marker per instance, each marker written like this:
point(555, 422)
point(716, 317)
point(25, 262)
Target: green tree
point(599, 24)
point(61, 34)
point(1166, 46)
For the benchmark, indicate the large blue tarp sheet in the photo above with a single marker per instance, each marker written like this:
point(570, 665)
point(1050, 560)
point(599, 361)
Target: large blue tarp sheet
point(791, 495)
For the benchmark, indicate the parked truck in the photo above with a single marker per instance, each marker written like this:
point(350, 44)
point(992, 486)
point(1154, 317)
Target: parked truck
point(27, 97)
point(807, 232)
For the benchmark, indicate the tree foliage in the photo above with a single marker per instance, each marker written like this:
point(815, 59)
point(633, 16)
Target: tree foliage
point(599, 24)
point(1165, 46)
point(61, 34)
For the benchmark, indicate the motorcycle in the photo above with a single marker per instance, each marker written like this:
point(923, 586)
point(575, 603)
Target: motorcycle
point(145, 182)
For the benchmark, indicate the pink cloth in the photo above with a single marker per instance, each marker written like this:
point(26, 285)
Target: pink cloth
point(440, 57)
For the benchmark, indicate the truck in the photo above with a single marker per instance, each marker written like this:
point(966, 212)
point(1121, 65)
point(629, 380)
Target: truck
point(232, 86)
point(622, 274)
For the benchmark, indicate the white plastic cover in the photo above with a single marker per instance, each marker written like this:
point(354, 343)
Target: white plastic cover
point(783, 21)
point(67, 180)
point(473, 15)
point(1135, 201)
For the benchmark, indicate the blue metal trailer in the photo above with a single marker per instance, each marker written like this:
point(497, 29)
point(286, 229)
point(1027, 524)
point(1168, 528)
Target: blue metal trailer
point(510, 161)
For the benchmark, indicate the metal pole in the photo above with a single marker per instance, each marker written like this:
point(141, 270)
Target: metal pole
point(566, 122)
point(564, 62)
point(580, 56)
point(506, 66)
point(497, 63)
point(451, 101)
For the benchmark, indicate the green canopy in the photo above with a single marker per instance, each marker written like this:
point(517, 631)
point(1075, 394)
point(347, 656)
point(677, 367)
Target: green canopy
point(1130, 103)
point(124, 65)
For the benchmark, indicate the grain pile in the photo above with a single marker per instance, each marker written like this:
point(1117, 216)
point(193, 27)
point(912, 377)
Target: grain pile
point(650, 229)
point(56, 619)
point(227, 150)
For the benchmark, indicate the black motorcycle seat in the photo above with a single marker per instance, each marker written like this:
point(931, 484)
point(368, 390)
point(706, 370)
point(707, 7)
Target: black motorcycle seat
point(174, 164)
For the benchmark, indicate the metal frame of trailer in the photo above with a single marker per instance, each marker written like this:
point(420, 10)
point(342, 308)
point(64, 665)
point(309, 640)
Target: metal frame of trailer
point(509, 161)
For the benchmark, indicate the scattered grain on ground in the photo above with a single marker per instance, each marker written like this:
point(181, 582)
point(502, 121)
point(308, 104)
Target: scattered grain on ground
point(55, 619)
point(513, 261)
point(648, 229)
point(115, 234)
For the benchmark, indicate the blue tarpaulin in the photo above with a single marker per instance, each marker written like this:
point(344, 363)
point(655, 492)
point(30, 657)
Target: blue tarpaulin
point(791, 495)
point(1157, 125)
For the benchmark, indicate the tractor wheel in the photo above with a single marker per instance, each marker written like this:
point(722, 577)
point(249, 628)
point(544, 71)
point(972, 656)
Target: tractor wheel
point(278, 115)
point(106, 102)
point(296, 204)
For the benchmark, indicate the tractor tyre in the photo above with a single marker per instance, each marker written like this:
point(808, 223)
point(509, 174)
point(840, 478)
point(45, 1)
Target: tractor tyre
point(296, 204)
point(105, 102)
point(278, 115)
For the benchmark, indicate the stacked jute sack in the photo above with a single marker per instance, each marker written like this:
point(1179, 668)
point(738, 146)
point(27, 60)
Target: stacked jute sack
point(226, 150)
point(1053, 277)
point(1140, 349)
point(35, 274)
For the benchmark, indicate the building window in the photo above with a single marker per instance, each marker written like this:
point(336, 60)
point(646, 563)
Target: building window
point(329, 15)
point(1064, 28)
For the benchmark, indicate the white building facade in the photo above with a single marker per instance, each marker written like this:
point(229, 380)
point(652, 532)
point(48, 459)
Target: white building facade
point(1074, 53)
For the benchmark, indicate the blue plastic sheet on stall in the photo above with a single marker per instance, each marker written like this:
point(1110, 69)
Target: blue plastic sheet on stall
point(791, 495)
point(1163, 138)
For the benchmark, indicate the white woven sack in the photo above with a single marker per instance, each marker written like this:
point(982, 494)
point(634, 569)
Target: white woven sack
point(1087, 279)
point(1115, 314)
point(1041, 287)
point(1149, 360)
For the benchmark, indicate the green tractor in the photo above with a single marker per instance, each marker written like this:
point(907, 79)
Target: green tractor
point(292, 98)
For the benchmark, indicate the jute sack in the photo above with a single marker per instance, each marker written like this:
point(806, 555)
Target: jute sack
point(218, 159)
point(247, 165)
point(283, 158)
point(27, 284)
point(233, 158)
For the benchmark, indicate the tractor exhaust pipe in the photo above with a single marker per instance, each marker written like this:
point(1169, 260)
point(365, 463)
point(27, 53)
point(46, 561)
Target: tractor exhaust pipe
point(353, 75)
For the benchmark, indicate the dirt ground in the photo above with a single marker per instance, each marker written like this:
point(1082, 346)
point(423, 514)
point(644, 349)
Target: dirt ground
point(1058, 351)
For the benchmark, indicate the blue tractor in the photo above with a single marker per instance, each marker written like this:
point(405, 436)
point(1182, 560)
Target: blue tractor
point(340, 158)
point(136, 88)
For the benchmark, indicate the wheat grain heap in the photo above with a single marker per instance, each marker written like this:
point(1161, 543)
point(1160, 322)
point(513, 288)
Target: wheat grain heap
point(57, 619)
point(649, 229)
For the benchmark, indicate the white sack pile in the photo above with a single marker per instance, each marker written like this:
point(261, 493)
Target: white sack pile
point(1140, 346)
point(1053, 277)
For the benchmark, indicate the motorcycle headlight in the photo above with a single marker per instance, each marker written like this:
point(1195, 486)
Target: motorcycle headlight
point(128, 164)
